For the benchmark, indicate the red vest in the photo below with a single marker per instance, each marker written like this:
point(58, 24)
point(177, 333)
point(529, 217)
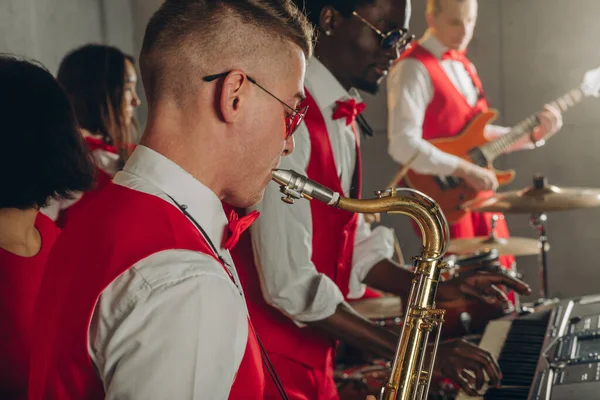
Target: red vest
point(102, 179)
point(66, 215)
point(448, 112)
point(132, 225)
point(334, 231)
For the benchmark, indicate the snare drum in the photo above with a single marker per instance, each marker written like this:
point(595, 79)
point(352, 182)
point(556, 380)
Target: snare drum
point(473, 316)
point(384, 311)
point(357, 382)
point(468, 264)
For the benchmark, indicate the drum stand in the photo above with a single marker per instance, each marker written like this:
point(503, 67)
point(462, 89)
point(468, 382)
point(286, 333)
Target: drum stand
point(538, 222)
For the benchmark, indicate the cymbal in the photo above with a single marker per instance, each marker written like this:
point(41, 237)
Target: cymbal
point(515, 246)
point(379, 308)
point(537, 199)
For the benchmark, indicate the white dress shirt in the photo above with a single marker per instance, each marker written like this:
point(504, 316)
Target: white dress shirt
point(282, 235)
point(173, 326)
point(105, 161)
point(410, 91)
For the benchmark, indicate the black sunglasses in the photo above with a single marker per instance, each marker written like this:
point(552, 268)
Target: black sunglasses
point(399, 38)
point(292, 122)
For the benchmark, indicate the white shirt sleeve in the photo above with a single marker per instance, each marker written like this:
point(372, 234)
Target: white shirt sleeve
point(282, 242)
point(409, 93)
point(172, 327)
point(370, 247)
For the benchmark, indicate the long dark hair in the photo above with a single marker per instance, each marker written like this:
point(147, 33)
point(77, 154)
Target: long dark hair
point(42, 155)
point(94, 77)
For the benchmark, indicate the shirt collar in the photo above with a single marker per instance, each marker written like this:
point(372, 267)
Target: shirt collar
point(433, 44)
point(106, 161)
point(172, 180)
point(324, 87)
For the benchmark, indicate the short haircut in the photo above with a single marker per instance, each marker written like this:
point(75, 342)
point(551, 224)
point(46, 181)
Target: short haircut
point(313, 8)
point(435, 6)
point(182, 31)
point(94, 78)
point(42, 155)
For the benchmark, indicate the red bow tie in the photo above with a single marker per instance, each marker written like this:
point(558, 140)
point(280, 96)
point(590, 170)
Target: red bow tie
point(95, 144)
point(454, 55)
point(349, 109)
point(237, 226)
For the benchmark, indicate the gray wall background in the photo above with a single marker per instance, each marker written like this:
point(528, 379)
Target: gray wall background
point(527, 52)
point(46, 30)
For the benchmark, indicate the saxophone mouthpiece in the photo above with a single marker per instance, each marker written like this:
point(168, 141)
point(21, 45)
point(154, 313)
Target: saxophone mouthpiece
point(296, 186)
point(282, 176)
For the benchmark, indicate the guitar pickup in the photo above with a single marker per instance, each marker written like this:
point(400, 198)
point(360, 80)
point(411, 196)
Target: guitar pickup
point(447, 182)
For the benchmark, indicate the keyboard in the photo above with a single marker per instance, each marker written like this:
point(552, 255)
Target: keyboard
point(550, 354)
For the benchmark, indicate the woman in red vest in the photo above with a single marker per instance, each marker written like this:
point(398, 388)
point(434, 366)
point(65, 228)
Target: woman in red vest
point(101, 84)
point(43, 157)
point(434, 92)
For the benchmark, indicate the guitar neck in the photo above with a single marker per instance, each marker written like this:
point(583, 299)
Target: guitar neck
point(498, 146)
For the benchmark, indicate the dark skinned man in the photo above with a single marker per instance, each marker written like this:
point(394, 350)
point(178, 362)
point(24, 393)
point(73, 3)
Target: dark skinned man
point(299, 264)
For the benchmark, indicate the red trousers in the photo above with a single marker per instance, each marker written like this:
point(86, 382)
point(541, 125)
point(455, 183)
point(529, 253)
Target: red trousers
point(300, 381)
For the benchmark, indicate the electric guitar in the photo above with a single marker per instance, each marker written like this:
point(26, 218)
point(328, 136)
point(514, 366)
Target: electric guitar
point(451, 192)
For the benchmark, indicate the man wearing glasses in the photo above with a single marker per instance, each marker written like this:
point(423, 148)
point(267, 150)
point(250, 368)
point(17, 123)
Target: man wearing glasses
point(142, 300)
point(300, 263)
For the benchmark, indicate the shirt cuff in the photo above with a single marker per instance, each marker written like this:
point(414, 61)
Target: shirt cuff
point(321, 305)
point(444, 164)
point(430, 161)
point(368, 252)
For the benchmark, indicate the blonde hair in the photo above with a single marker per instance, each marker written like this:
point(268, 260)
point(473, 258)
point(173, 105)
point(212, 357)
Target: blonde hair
point(435, 6)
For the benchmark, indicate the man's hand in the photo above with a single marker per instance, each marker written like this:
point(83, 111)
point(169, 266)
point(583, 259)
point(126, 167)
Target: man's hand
point(476, 177)
point(482, 285)
point(456, 355)
point(372, 218)
point(550, 123)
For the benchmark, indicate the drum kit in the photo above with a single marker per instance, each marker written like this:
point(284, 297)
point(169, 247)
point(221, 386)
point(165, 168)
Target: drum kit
point(469, 256)
point(536, 200)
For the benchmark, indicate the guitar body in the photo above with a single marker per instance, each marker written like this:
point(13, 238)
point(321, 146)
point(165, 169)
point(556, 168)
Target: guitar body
point(450, 192)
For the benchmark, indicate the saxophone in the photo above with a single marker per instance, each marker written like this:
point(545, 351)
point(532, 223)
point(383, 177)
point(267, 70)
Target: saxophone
point(410, 374)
